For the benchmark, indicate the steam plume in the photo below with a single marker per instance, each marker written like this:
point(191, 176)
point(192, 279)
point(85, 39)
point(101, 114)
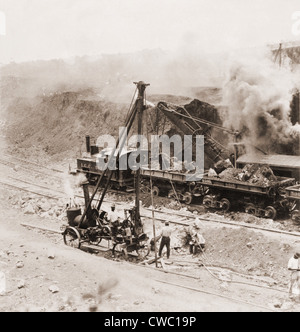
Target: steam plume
point(257, 96)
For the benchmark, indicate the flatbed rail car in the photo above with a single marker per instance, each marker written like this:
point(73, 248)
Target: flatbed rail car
point(215, 193)
point(293, 196)
point(260, 200)
point(173, 184)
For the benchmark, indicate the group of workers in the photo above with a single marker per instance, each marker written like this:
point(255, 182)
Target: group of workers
point(196, 239)
point(116, 223)
point(197, 242)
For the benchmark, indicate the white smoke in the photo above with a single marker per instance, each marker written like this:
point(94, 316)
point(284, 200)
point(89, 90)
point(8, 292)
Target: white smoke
point(71, 183)
point(257, 96)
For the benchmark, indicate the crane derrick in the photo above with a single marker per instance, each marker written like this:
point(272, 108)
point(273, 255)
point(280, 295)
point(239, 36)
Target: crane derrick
point(189, 125)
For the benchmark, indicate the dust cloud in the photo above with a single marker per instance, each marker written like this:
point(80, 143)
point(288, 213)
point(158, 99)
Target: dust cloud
point(254, 93)
point(112, 75)
point(257, 96)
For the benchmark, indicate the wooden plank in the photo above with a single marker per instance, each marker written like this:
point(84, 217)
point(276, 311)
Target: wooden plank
point(151, 261)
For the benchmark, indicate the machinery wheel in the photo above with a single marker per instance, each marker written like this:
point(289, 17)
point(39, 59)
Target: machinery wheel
point(295, 216)
point(72, 238)
point(207, 201)
point(188, 198)
point(270, 212)
point(155, 191)
point(250, 209)
point(225, 204)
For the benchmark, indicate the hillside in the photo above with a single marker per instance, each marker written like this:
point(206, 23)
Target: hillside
point(58, 124)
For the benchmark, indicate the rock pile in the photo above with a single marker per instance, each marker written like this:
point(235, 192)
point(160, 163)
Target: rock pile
point(41, 206)
point(252, 173)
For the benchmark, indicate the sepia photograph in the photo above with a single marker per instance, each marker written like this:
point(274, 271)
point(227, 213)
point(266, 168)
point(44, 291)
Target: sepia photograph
point(150, 158)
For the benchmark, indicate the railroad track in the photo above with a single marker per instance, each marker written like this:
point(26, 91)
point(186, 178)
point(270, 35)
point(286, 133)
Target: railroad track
point(162, 216)
point(33, 189)
point(37, 169)
point(35, 164)
point(187, 219)
point(55, 194)
point(102, 251)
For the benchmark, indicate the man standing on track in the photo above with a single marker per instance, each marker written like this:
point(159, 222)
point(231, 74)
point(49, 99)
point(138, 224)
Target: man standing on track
point(293, 266)
point(165, 239)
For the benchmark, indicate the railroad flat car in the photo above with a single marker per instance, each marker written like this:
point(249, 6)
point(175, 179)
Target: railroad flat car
point(282, 165)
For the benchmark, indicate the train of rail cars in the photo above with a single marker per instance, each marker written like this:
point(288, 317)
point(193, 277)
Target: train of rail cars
point(263, 199)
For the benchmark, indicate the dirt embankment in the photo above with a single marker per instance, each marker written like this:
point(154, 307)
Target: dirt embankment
point(56, 124)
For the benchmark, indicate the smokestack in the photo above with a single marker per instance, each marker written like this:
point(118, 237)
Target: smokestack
point(88, 144)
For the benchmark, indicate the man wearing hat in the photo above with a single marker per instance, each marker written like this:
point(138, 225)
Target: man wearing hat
point(197, 240)
point(165, 239)
point(293, 266)
point(112, 215)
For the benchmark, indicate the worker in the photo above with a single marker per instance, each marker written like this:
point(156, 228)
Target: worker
point(165, 239)
point(128, 231)
point(293, 266)
point(197, 240)
point(113, 216)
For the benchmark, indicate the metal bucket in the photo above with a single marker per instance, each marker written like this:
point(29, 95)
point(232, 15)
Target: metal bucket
point(72, 214)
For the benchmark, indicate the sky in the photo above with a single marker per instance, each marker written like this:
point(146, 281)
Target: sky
point(47, 29)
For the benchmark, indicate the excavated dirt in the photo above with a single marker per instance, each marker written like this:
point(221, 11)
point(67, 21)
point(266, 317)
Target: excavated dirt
point(58, 124)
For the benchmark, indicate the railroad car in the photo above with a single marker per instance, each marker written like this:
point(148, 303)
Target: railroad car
point(282, 165)
point(263, 200)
